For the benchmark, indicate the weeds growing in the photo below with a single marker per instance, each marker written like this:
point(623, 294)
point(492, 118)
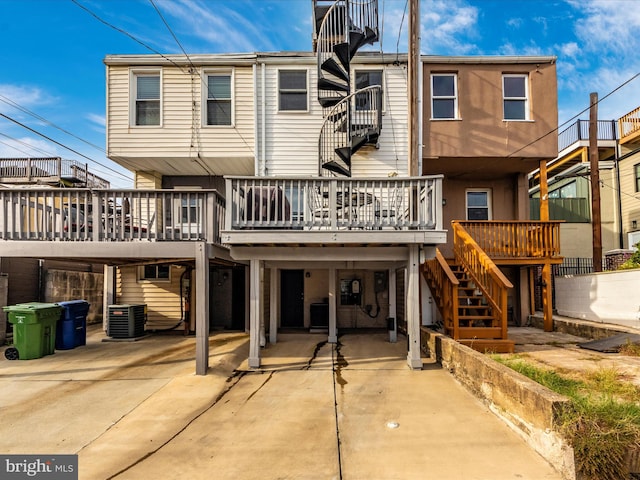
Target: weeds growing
point(603, 422)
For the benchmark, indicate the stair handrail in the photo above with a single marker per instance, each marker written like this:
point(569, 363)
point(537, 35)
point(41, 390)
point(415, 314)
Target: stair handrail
point(486, 275)
point(375, 91)
point(444, 287)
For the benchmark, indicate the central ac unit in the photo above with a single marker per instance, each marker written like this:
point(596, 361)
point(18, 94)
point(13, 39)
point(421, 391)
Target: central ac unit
point(126, 321)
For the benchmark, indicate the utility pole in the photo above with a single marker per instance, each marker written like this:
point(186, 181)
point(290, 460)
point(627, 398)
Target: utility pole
point(594, 159)
point(413, 87)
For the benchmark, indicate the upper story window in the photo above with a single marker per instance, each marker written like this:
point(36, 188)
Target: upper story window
point(478, 204)
point(292, 91)
point(364, 79)
point(146, 98)
point(219, 99)
point(636, 173)
point(515, 97)
point(444, 96)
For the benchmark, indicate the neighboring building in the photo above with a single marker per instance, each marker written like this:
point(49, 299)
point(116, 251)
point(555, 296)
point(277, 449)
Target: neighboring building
point(272, 190)
point(629, 178)
point(37, 279)
point(485, 126)
point(569, 186)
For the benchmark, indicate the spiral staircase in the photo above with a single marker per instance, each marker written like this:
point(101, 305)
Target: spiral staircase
point(352, 119)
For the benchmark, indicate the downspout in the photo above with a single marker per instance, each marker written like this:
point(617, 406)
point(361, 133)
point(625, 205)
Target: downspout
point(256, 144)
point(263, 120)
point(420, 116)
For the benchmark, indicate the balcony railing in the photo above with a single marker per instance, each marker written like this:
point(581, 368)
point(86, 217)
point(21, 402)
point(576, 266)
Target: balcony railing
point(27, 170)
point(580, 131)
point(516, 239)
point(334, 204)
point(629, 125)
point(111, 215)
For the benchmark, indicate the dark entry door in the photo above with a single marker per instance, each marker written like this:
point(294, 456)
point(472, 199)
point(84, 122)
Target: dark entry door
point(292, 298)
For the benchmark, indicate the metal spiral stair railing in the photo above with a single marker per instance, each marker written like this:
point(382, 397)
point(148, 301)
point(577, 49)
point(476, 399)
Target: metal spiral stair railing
point(346, 26)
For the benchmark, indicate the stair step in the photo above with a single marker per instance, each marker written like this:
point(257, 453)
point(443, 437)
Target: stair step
point(332, 101)
point(479, 332)
point(357, 142)
point(474, 317)
point(335, 167)
point(330, 65)
point(331, 85)
point(356, 40)
point(371, 36)
point(343, 54)
point(345, 154)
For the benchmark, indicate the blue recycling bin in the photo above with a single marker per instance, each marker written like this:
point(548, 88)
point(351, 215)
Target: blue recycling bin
point(71, 330)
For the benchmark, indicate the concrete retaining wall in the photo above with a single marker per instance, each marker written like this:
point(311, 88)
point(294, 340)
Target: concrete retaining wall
point(527, 407)
point(600, 297)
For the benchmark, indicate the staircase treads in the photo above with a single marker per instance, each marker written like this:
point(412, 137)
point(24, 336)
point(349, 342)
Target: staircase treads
point(331, 66)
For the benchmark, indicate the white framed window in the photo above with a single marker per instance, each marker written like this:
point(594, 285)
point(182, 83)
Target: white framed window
point(444, 96)
point(478, 204)
point(292, 91)
point(364, 79)
point(155, 273)
point(636, 174)
point(218, 98)
point(515, 96)
point(146, 98)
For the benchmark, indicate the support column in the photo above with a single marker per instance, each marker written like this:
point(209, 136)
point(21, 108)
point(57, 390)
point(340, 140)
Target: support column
point(333, 306)
point(547, 301)
point(108, 293)
point(413, 307)
point(202, 308)
point(274, 306)
point(255, 312)
point(393, 332)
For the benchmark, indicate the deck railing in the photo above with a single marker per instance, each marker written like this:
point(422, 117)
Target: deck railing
point(484, 273)
point(516, 239)
point(44, 169)
point(111, 215)
point(334, 204)
point(580, 131)
point(629, 124)
point(444, 287)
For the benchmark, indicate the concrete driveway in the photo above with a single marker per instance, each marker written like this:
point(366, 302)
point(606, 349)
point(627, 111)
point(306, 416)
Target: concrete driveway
point(133, 410)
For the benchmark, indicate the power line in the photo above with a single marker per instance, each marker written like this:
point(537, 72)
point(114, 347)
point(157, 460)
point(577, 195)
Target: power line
point(32, 147)
point(14, 104)
point(124, 32)
point(575, 116)
point(62, 145)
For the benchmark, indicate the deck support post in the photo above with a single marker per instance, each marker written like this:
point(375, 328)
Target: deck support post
point(274, 306)
point(547, 301)
point(202, 308)
point(255, 312)
point(333, 305)
point(414, 359)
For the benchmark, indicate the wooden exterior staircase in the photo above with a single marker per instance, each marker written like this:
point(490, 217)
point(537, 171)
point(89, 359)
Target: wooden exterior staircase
point(471, 291)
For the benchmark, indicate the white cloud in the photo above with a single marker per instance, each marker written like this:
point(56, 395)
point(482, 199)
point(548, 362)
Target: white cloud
point(570, 49)
point(97, 119)
point(222, 28)
point(447, 26)
point(25, 96)
point(609, 26)
point(26, 147)
point(515, 22)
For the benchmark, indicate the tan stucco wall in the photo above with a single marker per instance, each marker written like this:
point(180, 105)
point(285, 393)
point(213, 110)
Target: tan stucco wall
point(481, 130)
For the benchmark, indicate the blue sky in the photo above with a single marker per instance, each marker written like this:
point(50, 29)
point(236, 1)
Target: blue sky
point(51, 53)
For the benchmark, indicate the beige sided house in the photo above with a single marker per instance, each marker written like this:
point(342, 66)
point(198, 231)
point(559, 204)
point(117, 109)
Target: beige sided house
point(629, 180)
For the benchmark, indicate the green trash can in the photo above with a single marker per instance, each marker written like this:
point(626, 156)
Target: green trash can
point(34, 330)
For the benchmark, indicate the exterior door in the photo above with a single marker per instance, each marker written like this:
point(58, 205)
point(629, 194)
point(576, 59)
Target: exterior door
point(292, 298)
